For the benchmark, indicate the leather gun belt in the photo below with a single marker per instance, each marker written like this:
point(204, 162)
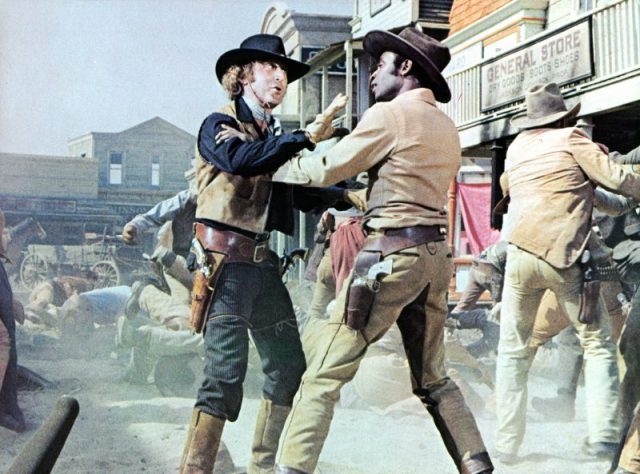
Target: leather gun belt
point(237, 247)
point(395, 240)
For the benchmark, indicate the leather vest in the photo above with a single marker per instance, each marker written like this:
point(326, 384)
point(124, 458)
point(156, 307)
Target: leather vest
point(238, 201)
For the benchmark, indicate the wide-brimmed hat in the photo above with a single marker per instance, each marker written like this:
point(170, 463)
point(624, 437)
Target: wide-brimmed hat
point(261, 48)
point(429, 55)
point(545, 105)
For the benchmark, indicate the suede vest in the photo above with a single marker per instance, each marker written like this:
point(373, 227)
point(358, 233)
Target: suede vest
point(238, 201)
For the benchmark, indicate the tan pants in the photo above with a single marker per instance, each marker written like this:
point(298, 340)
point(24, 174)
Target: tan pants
point(630, 456)
point(324, 290)
point(527, 278)
point(170, 310)
point(339, 351)
point(551, 319)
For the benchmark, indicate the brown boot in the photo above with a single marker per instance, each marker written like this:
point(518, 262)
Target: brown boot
point(269, 425)
point(458, 428)
point(203, 439)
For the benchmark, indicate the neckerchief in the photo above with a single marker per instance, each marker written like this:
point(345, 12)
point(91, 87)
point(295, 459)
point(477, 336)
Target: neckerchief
point(259, 113)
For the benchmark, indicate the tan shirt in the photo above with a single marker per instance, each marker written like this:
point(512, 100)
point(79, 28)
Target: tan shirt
point(411, 150)
point(552, 174)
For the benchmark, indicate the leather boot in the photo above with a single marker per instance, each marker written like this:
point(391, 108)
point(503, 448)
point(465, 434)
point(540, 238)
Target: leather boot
point(203, 440)
point(269, 425)
point(458, 429)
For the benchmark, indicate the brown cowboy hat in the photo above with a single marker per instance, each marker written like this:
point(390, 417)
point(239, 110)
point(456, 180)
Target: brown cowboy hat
point(261, 48)
point(430, 56)
point(545, 105)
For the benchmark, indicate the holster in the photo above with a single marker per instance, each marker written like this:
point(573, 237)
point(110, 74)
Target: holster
point(203, 291)
point(361, 293)
point(588, 313)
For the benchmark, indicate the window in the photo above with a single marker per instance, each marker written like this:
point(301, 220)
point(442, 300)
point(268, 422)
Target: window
point(155, 171)
point(585, 5)
point(115, 168)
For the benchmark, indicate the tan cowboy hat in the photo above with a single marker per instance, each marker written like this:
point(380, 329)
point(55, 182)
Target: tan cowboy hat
point(429, 55)
point(261, 48)
point(545, 105)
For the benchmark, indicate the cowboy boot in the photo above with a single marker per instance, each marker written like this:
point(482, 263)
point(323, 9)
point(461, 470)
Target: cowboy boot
point(458, 430)
point(271, 418)
point(203, 440)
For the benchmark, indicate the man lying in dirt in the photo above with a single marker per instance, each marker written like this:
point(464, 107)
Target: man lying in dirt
point(47, 298)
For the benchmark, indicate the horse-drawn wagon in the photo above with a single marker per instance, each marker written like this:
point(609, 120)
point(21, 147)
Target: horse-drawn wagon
point(105, 257)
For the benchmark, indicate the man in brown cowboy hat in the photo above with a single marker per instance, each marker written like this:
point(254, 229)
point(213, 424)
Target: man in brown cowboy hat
point(238, 205)
point(552, 170)
point(412, 152)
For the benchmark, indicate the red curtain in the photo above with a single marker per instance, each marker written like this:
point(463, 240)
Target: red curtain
point(475, 205)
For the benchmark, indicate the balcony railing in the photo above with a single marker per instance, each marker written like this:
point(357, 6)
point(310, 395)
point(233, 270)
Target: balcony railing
point(616, 52)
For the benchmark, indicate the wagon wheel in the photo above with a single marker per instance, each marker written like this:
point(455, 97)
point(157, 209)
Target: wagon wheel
point(33, 270)
point(107, 273)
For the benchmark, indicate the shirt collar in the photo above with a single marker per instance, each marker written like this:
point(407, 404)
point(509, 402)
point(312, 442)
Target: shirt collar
point(421, 93)
point(243, 112)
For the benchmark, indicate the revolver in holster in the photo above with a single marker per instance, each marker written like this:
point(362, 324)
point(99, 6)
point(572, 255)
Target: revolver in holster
point(589, 297)
point(364, 285)
point(208, 268)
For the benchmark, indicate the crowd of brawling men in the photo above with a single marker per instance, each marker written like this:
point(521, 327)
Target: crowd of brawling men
point(382, 266)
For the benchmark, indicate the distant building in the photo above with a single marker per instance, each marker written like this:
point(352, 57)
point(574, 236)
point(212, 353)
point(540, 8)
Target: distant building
point(106, 179)
point(142, 164)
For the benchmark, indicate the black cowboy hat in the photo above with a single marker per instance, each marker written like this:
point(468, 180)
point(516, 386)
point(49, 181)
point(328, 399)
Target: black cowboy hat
point(545, 105)
point(429, 55)
point(261, 48)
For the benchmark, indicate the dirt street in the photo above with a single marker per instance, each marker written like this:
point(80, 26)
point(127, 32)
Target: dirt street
point(133, 428)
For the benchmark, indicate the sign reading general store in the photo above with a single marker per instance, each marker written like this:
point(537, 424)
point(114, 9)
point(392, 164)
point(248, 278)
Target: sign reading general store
point(563, 57)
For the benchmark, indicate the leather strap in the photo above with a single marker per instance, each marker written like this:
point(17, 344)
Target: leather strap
point(395, 240)
point(364, 261)
point(237, 247)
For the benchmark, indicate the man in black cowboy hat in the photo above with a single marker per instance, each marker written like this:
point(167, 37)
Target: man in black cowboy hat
point(551, 172)
point(412, 152)
point(238, 149)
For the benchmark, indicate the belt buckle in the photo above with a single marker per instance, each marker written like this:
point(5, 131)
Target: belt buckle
point(258, 252)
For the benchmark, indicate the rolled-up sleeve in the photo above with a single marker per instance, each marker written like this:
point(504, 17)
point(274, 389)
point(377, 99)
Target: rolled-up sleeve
point(373, 139)
point(246, 158)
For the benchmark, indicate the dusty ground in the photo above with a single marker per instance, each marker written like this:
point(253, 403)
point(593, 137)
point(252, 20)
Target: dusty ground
point(132, 428)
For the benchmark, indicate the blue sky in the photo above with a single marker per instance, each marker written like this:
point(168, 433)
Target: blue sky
point(68, 67)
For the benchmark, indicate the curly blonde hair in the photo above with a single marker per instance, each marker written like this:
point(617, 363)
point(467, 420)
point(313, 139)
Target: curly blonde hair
point(232, 79)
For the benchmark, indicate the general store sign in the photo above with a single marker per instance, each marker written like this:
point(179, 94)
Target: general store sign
point(562, 57)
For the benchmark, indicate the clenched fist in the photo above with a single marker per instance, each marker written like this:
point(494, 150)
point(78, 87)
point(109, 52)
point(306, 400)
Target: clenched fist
point(130, 234)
